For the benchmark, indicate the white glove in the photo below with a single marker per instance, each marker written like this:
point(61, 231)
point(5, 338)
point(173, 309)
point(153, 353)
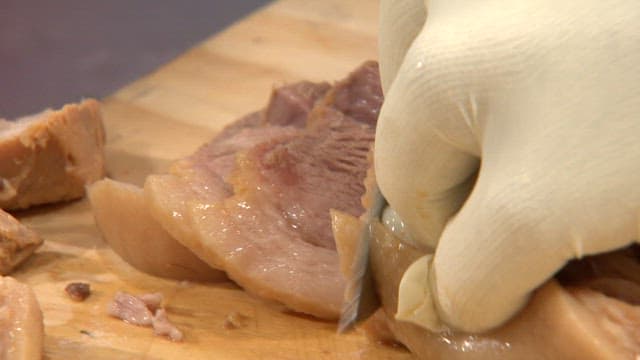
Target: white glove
point(540, 100)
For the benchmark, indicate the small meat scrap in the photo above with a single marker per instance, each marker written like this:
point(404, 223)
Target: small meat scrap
point(130, 309)
point(153, 301)
point(144, 310)
point(163, 327)
point(78, 291)
point(17, 242)
point(235, 320)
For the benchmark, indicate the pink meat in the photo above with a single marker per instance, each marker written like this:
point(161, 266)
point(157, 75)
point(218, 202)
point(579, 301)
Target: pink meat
point(360, 95)
point(290, 104)
point(163, 327)
point(268, 224)
point(130, 309)
point(306, 176)
point(274, 235)
point(218, 158)
point(144, 310)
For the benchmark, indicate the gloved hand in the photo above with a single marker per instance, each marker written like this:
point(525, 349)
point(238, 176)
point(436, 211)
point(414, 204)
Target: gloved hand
point(538, 99)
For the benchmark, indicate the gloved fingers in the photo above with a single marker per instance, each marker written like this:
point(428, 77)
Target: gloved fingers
point(424, 182)
point(400, 23)
point(500, 246)
point(440, 210)
point(426, 150)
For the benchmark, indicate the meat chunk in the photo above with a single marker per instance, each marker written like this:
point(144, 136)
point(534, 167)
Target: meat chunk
point(290, 104)
point(17, 243)
point(163, 327)
point(558, 322)
point(122, 216)
point(261, 213)
point(201, 178)
point(144, 310)
point(153, 301)
point(21, 326)
point(50, 156)
point(130, 309)
point(359, 96)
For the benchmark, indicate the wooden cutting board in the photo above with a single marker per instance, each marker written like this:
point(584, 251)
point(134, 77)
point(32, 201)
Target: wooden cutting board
point(167, 115)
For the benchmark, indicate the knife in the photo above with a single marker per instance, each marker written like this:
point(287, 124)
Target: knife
point(361, 299)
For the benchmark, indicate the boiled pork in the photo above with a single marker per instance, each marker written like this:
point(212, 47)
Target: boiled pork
point(255, 201)
point(291, 104)
point(201, 178)
point(17, 243)
point(51, 156)
point(122, 216)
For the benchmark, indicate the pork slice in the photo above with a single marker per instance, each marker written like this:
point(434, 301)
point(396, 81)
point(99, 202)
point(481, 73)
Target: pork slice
point(289, 105)
point(260, 209)
point(273, 236)
point(51, 156)
point(17, 242)
point(267, 256)
point(557, 323)
point(200, 178)
point(121, 214)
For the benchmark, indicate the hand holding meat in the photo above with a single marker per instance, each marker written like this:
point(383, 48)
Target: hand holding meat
point(520, 118)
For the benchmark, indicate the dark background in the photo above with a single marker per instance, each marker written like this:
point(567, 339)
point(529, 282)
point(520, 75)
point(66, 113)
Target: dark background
point(58, 51)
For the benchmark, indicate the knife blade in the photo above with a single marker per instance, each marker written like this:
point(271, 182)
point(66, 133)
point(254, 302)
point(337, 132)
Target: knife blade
point(361, 299)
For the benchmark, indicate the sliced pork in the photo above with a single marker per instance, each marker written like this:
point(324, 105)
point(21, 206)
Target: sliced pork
point(51, 156)
point(17, 243)
point(255, 201)
point(201, 178)
point(121, 214)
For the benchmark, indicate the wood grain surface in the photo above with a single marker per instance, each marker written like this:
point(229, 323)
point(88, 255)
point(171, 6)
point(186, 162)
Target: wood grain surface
point(167, 115)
